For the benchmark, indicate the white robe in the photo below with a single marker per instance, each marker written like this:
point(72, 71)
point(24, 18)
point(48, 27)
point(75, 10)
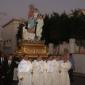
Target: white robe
point(38, 73)
point(41, 72)
point(49, 72)
point(25, 34)
point(31, 36)
point(55, 72)
point(24, 72)
point(64, 76)
point(45, 73)
point(35, 72)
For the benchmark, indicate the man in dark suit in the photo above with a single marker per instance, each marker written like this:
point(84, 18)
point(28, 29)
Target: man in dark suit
point(3, 68)
point(10, 69)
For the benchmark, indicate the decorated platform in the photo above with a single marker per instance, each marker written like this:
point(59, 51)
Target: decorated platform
point(33, 49)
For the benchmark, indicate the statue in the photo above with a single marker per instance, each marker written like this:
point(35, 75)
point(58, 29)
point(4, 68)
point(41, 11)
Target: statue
point(34, 25)
point(40, 24)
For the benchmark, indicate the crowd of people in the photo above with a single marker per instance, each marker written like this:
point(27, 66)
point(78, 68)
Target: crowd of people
point(8, 63)
point(53, 70)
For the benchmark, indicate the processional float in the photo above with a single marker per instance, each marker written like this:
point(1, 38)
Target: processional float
point(31, 35)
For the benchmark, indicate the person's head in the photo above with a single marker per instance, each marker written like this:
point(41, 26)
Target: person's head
point(39, 58)
point(31, 7)
point(50, 57)
point(58, 57)
point(66, 51)
point(40, 16)
point(31, 11)
point(30, 59)
point(36, 10)
point(25, 57)
point(65, 58)
point(10, 57)
point(44, 58)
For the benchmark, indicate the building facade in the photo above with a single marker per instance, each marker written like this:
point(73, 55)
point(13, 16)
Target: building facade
point(9, 35)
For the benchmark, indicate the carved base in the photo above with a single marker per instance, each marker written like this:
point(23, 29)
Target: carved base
point(33, 48)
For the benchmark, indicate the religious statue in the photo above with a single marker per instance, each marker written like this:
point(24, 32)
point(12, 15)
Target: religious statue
point(34, 25)
point(40, 24)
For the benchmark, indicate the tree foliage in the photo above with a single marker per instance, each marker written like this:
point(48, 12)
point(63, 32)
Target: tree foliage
point(58, 28)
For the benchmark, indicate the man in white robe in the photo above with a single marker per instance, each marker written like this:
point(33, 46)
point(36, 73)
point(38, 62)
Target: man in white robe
point(56, 67)
point(38, 72)
point(35, 72)
point(41, 71)
point(45, 79)
point(49, 71)
point(24, 72)
point(65, 65)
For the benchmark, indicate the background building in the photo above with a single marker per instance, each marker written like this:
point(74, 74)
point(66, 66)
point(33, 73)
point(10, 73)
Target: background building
point(9, 35)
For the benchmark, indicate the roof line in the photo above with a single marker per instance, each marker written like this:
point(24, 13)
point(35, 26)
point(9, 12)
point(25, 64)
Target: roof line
point(10, 22)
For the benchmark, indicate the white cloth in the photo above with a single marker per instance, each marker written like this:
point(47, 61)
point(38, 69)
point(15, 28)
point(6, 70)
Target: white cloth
point(35, 72)
point(49, 72)
point(49, 66)
point(24, 72)
point(15, 74)
point(24, 66)
point(31, 36)
point(40, 24)
point(38, 73)
point(64, 76)
point(45, 78)
point(25, 34)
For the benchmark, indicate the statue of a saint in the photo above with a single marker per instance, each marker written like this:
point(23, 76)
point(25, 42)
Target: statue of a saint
point(39, 26)
point(34, 26)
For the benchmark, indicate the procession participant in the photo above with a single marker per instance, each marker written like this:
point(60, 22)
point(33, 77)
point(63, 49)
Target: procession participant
point(71, 59)
point(49, 70)
point(4, 69)
point(10, 68)
point(35, 72)
point(45, 70)
point(65, 66)
point(24, 71)
point(41, 70)
point(56, 67)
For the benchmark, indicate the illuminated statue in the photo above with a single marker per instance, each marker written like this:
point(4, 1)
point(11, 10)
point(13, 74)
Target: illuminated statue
point(40, 24)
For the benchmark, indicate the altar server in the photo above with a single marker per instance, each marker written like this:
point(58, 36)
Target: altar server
point(56, 67)
point(35, 72)
point(64, 76)
point(49, 71)
point(24, 71)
